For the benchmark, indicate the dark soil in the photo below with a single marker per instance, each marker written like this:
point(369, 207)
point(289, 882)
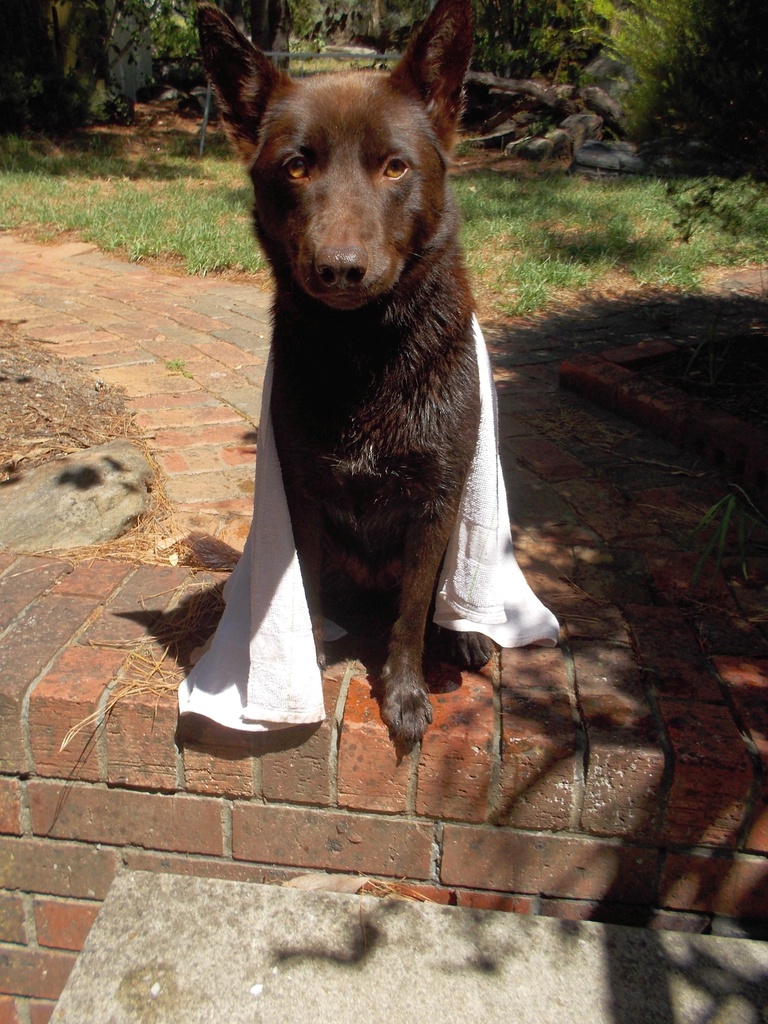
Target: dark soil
point(726, 374)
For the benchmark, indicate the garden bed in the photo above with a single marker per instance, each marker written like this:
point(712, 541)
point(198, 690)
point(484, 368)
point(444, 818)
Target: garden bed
point(729, 376)
point(644, 383)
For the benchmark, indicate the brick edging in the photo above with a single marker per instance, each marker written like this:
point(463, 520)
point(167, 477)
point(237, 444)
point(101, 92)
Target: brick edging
point(611, 379)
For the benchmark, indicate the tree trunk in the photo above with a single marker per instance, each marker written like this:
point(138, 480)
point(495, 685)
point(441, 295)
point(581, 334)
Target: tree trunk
point(376, 6)
point(234, 8)
point(271, 25)
point(260, 23)
point(280, 23)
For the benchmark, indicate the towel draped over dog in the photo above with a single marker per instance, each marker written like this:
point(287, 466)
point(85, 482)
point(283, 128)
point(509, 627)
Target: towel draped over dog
point(261, 670)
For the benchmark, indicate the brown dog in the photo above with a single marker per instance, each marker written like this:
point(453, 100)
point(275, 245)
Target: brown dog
point(375, 398)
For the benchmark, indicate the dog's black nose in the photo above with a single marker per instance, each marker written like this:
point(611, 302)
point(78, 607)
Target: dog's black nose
point(341, 268)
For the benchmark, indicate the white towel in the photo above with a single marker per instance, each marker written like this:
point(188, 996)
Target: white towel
point(261, 672)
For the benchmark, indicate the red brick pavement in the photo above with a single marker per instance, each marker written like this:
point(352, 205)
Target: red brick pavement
point(620, 776)
point(163, 339)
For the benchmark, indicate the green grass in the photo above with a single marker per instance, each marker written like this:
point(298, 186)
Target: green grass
point(530, 240)
point(169, 205)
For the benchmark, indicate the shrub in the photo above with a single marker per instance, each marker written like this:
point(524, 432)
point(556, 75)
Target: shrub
point(38, 102)
point(174, 34)
point(519, 38)
point(700, 67)
point(734, 207)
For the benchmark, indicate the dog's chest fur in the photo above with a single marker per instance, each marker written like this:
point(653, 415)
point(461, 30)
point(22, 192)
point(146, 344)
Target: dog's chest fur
point(375, 421)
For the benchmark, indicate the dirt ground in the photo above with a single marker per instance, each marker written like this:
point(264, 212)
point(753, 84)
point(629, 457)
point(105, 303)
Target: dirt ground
point(50, 407)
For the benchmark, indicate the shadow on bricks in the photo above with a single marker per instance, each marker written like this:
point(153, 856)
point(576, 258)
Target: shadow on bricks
point(186, 625)
point(659, 740)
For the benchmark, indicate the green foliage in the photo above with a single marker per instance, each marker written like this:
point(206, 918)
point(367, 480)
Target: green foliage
point(308, 21)
point(321, 21)
point(709, 356)
point(520, 38)
point(54, 61)
point(700, 67)
point(513, 37)
point(40, 102)
point(733, 514)
point(177, 366)
point(174, 34)
point(731, 206)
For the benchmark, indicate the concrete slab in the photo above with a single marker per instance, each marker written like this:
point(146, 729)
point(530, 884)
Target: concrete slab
point(169, 949)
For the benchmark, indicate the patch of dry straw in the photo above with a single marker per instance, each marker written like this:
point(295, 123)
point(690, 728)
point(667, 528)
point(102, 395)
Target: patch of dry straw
point(154, 666)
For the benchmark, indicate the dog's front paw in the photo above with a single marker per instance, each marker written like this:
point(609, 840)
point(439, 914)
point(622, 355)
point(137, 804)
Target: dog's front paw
point(466, 650)
point(318, 632)
point(405, 709)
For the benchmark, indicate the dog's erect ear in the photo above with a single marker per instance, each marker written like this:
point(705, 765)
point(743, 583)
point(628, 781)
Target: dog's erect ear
point(436, 62)
point(241, 75)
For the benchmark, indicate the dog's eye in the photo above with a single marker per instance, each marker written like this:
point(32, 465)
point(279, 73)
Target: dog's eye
point(395, 168)
point(297, 168)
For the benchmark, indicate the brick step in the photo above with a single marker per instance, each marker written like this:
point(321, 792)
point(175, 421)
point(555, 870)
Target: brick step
point(567, 779)
point(581, 739)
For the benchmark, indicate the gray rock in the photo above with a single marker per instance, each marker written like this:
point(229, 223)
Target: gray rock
point(611, 75)
point(87, 498)
point(562, 144)
point(582, 128)
point(599, 102)
point(530, 149)
point(500, 136)
point(502, 129)
point(610, 157)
